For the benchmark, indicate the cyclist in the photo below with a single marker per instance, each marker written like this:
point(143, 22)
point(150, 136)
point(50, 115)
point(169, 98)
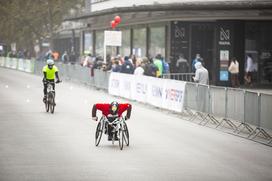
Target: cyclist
point(111, 111)
point(50, 71)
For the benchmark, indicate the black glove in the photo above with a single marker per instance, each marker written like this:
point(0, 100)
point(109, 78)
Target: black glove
point(44, 80)
point(126, 118)
point(58, 81)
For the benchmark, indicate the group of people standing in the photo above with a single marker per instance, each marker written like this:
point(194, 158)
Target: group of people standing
point(154, 67)
point(202, 74)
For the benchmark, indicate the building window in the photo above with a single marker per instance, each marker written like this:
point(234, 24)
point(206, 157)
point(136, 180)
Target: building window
point(88, 43)
point(139, 42)
point(157, 41)
point(99, 43)
point(125, 48)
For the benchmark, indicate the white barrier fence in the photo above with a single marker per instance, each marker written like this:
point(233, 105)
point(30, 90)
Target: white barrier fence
point(24, 65)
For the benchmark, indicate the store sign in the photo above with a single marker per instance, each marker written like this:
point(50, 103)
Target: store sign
point(179, 32)
point(224, 36)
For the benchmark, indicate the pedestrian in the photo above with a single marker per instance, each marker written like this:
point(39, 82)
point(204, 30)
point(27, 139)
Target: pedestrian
point(249, 70)
point(234, 72)
point(201, 74)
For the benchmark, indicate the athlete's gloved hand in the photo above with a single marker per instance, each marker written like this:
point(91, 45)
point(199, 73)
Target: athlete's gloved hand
point(58, 81)
point(126, 118)
point(95, 118)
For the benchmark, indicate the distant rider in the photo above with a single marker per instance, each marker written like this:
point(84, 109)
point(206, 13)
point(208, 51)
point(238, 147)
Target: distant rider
point(49, 73)
point(111, 111)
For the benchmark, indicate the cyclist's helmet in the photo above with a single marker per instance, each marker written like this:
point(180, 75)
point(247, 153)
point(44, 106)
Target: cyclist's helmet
point(50, 63)
point(114, 106)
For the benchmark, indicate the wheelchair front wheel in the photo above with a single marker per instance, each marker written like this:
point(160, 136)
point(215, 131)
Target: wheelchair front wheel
point(98, 133)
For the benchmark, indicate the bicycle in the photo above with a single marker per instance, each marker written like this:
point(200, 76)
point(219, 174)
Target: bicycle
point(120, 130)
point(50, 97)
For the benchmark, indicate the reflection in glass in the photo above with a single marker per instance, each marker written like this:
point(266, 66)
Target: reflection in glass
point(99, 43)
point(157, 41)
point(88, 43)
point(139, 42)
point(125, 48)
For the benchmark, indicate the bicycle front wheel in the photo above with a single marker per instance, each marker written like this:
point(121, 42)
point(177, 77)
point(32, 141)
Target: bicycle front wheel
point(52, 102)
point(98, 133)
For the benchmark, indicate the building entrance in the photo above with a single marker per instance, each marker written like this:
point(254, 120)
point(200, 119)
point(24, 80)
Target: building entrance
point(202, 42)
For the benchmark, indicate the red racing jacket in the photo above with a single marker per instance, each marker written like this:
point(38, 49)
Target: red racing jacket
point(105, 108)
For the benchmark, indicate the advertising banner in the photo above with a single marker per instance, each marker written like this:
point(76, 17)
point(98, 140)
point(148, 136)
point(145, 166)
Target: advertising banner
point(155, 91)
point(140, 88)
point(173, 97)
point(114, 84)
point(163, 93)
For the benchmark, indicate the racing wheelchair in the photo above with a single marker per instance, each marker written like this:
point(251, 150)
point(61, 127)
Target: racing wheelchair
point(119, 130)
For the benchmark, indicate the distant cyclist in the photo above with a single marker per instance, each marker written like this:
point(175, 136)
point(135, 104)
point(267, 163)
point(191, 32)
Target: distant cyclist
point(50, 71)
point(111, 111)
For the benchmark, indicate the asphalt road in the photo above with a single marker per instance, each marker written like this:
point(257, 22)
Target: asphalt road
point(35, 145)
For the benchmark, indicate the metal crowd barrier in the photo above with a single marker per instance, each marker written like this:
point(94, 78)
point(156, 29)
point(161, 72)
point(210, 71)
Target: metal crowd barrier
point(221, 105)
point(188, 77)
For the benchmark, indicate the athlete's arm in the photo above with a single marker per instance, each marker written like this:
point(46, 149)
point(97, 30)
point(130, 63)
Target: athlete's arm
point(57, 76)
point(125, 107)
point(128, 112)
point(94, 113)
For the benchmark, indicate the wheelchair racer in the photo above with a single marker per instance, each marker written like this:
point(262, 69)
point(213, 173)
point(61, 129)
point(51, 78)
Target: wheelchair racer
point(50, 71)
point(111, 111)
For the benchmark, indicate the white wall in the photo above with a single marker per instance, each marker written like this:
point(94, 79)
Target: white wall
point(126, 3)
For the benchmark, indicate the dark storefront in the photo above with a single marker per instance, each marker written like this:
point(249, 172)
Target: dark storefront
point(215, 30)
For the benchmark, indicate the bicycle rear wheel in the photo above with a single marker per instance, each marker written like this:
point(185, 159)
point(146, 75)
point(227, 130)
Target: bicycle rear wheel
point(46, 105)
point(126, 134)
point(98, 133)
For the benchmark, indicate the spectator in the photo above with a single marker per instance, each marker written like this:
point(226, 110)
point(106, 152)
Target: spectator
point(20, 54)
point(48, 55)
point(133, 60)
point(55, 55)
point(197, 59)
point(182, 64)
point(127, 66)
point(201, 75)
point(234, 72)
point(116, 67)
point(139, 69)
point(150, 69)
point(165, 66)
point(158, 62)
point(65, 57)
